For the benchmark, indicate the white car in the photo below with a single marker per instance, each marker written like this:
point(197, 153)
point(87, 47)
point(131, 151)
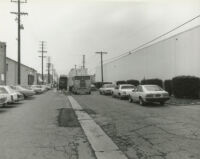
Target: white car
point(37, 88)
point(11, 94)
point(123, 90)
point(3, 97)
point(149, 93)
point(107, 89)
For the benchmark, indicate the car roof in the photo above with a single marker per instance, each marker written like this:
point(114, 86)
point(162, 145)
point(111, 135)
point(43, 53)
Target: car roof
point(126, 85)
point(149, 85)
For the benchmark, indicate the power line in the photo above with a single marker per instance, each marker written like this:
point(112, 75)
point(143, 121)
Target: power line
point(141, 46)
point(20, 26)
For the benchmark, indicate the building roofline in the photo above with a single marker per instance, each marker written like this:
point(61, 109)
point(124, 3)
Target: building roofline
point(21, 64)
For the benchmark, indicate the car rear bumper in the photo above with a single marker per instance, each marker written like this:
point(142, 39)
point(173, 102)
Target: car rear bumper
point(156, 99)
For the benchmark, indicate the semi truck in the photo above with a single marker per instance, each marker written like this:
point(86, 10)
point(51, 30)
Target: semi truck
point(63, 83)
point(80, 84)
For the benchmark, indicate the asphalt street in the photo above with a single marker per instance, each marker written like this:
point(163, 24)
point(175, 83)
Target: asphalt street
point(37, 128)
point(46, 127)
point(147, 132)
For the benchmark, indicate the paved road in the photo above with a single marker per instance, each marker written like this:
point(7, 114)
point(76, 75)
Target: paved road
point(30, 130)
point(147, 132)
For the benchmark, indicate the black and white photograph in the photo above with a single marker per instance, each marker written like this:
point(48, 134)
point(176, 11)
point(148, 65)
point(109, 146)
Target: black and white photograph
point(99, 79)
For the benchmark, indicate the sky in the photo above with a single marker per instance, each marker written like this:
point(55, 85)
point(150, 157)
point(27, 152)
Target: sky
point(72, 28)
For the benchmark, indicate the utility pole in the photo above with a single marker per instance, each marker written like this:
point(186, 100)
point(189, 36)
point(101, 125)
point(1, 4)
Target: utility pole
point(48, 68)
point(83, 61)
point(101, 53)
point(20, 26)
point(75, 70)
point(42, 51)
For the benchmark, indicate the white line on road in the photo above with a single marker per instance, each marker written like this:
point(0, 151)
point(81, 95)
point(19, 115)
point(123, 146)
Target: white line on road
point(102, 145)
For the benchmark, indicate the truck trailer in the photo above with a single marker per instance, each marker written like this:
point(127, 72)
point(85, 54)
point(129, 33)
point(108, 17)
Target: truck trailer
point(80, 84)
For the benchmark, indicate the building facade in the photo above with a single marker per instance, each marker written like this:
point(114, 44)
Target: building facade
point(177, 55)
point(28, 74)
point(2, 63)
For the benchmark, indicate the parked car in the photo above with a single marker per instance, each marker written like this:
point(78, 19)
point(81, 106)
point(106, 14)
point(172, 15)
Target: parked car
point(26, 91)
point(149, 93)
point(37, 88)
point(107, 89)
point(123, 90)
point(11, 94)
point(3, 96)
point(20, 96)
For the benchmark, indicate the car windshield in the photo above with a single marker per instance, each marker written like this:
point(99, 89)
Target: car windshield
point(3, 90)
point(109, 86)
point(127, 87)
point(10, 89)
point(37, 86)
point(26, 87)
point(153, 88)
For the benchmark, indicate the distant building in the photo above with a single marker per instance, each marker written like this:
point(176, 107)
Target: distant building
point(174, 56)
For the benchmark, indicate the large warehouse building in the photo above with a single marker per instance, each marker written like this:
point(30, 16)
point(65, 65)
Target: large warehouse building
point(8, 70)
point(28, 74)
point(177, 55)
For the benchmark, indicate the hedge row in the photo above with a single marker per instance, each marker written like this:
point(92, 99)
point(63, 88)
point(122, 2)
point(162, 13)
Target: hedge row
point(186, 87)
point(180, 86)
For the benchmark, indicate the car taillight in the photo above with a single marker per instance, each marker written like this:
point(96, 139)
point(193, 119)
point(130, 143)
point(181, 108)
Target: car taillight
point(149, 96)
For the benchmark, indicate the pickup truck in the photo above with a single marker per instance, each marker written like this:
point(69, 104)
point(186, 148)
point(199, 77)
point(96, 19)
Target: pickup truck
point(123, 91)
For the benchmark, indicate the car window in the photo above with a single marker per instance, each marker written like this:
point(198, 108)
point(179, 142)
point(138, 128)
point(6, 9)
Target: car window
point(3, 90)
point(140, 89)
point(117, 87)
point(153, 88)
point(10, 89)
point(109, 86)
point(127, 87)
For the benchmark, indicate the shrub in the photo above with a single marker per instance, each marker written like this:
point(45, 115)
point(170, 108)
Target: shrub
point(133, 82)
point(186, 86)
point(155, 81)
point(168, 86)
point(120, 82)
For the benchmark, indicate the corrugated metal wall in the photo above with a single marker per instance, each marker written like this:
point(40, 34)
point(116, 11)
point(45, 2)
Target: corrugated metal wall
point(178, 55)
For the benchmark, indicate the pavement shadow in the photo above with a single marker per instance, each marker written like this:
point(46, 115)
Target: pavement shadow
point(30, 98)
point(2, 110)
point(154, 105)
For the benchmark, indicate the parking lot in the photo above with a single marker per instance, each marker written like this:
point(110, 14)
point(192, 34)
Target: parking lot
point(150, 131)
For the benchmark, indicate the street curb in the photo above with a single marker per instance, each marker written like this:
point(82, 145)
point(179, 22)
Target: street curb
point(102, 145)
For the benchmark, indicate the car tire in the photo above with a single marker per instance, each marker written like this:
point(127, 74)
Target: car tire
point(162, 103)
point(130, 99)
point(141, 102)
point(100, 92)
